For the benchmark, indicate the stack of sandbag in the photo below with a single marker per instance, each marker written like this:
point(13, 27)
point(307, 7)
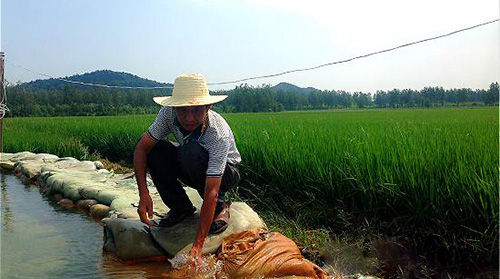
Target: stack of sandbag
point(131, 239)
point(113, 198)
point(255, 253)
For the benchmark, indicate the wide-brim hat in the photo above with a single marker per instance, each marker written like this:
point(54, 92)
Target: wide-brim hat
point(189, 90)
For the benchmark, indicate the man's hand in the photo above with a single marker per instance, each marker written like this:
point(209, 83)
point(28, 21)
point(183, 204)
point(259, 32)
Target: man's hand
point(140, 157)
point(212, 185)
point(195, 256)
point(146, 206)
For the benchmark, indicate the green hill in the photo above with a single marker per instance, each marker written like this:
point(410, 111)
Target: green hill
point(288, 87)
point(105, 77)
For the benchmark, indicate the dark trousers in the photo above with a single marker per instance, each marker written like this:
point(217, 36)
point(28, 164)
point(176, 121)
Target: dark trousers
point(188, 163)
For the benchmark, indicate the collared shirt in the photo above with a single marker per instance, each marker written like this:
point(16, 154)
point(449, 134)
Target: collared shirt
point(217, 138)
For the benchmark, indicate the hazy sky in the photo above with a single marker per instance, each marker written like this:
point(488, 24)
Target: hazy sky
point(230, 39)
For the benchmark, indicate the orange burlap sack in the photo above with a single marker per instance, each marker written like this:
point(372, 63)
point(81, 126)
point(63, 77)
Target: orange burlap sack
point(257, 254)
point(253, 254)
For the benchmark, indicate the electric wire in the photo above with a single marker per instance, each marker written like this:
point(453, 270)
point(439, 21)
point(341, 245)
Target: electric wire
point(269, 75)
point(353, 58)
point(93, 84)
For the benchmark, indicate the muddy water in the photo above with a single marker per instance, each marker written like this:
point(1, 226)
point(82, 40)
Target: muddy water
point(40, 239)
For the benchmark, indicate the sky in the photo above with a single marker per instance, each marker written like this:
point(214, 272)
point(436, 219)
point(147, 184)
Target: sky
point(230, 39)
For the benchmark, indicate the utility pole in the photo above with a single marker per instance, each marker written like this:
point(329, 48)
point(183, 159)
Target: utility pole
point(2, 98)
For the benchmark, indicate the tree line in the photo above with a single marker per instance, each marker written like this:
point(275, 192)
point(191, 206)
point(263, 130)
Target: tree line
point(245, 98)
point(79, 100)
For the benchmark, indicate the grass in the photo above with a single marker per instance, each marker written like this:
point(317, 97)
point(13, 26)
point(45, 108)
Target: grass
point(79, 137)
point(420, 173)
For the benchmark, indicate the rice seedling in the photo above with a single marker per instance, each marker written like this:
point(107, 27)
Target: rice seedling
point(415, 172)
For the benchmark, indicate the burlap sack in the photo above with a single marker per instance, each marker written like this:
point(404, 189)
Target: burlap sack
point(254, 254)
point(258, 254)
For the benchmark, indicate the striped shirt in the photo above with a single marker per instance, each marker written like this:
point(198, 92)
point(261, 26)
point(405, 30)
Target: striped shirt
point(217, 139)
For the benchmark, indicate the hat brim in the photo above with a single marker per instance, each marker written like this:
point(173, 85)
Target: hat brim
point(172, 101)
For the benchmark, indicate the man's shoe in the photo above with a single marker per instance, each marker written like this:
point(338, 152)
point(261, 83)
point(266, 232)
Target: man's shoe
point(221, 221)
point(175, 216)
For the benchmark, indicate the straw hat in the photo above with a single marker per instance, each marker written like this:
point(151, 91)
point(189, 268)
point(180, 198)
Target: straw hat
point(189, 90)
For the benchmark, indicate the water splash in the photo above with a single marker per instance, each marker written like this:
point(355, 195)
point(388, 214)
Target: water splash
point(210, 267)
point(180, 260)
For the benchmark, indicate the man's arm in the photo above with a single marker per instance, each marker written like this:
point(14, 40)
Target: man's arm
point(140, 165)
point(212, 185)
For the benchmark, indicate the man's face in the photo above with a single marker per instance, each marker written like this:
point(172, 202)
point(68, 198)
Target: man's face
point(191, 117)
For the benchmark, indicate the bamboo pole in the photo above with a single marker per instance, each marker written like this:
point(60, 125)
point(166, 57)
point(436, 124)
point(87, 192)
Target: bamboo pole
point(2, 97)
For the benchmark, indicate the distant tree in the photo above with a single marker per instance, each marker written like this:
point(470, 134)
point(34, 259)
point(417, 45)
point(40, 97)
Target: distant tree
point(381, 99)
point(450, 96)
point(394, 98)
point(439, 95)
point(361, 99)
point(490, 97)
point(461, 96)
point(428, 96)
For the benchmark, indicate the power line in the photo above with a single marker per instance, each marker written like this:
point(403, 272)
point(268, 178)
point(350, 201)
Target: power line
point(94, 84)
point(354, 58)
point(270, 75)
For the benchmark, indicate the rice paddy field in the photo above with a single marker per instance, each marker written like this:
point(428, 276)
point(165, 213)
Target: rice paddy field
point(429, 174)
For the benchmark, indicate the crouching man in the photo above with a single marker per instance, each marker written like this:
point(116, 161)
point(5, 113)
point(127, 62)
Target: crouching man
point(206, 159)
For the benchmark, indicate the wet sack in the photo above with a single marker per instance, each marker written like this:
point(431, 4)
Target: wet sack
point(255, 254)
point(258, 253)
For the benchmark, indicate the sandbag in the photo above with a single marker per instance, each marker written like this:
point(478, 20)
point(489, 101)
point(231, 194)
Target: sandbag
point(179, 238)
point(107, 196)
point(129, 239)
point(257, 253)
point(71, 189)
point(7, 165)
point(252, 254)
point(99, 211)
point(123, 234)
point(70, 163)
point(54, 184)
point(30, 169)
point(5, 161)
point(84, 205)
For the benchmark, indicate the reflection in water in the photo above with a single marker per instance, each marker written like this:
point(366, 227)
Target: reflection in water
point(45, 240)
point(4, 207)
point(113, 268)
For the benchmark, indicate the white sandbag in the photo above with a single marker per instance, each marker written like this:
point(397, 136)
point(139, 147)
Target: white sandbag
point(179, 238)
point(129, 239)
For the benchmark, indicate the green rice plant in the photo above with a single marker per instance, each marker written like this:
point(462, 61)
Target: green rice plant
point(421, 171)
point(415, 172)
point(79, 137)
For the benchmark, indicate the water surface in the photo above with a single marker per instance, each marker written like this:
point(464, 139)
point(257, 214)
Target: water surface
point(40, 239)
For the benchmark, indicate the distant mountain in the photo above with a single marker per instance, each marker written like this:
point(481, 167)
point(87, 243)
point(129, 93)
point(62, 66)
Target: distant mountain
point(109, 77)
point(288, 87)
point(106, 77)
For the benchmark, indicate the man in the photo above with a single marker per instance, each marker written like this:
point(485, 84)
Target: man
point(206, 159)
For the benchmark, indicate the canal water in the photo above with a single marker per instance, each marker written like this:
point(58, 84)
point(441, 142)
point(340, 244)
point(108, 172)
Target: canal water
point(40, 239)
